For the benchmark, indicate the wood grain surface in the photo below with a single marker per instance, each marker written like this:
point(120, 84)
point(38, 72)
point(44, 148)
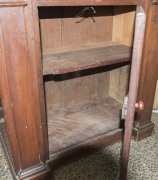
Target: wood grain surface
point(22, 79)
point(8, 4)
point(87, 3)
point(61, 27)
point(123, 32)
point(65, 62)
point(66, 131)
point(133, 87)
point(124, 25)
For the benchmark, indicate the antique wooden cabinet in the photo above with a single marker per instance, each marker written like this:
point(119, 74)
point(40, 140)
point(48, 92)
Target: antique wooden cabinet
point(59, 87)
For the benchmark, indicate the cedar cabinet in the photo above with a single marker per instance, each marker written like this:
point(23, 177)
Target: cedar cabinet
point(64, 73)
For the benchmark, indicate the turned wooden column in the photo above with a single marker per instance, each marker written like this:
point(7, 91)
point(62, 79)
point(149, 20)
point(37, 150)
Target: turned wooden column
point(21, 93)
point(149, 73)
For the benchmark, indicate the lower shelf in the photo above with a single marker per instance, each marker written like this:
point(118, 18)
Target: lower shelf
point(73, 130)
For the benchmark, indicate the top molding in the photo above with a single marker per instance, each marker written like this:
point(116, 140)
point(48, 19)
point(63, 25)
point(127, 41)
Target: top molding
point(86, 2)
point(9, 4)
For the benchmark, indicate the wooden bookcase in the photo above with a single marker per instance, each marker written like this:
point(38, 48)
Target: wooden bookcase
point(58, 79)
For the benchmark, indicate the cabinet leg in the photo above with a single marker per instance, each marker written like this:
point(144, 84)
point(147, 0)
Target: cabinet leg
point(38, 172)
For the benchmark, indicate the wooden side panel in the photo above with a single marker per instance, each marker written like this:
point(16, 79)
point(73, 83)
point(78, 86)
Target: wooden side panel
point(149, 71)
point(54, 94)
point(20, 83)
point(119, 82)
point(123, 25)
point(19, 88)
point(50, 27)
point(114, 83)
point(6, 102)
point(50, 33)
point(156, 98)
point(123, 32)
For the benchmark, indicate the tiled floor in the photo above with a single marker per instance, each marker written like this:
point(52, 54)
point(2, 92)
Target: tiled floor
point(104, 165)
point(4, 168)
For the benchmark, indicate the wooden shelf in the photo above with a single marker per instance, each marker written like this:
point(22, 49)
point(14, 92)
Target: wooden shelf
point(76, 129)
point(65, 60)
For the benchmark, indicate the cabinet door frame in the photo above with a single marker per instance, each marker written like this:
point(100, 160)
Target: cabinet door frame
point(133, 86)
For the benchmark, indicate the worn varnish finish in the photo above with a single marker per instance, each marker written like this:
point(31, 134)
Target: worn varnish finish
point(148, 76)
point(87, 3)
point(123, 33)
point(18, 73)
point(71, 129)
point(95, 145)
point(18, 85)
point(64, 62)
point(21, 79)
point(35, 66)
point(5, 4)
point(133, 88)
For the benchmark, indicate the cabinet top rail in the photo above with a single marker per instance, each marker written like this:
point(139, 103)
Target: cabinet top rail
point(8, 3)
point(86, 2)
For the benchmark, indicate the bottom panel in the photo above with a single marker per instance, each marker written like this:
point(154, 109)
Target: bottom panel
point(72, 129)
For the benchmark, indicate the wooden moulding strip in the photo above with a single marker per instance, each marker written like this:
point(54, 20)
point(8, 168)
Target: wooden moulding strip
point(9, 4)
point(87, 2)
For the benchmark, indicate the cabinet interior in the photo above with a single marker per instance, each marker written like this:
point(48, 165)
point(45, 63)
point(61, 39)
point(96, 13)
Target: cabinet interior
point(85, 70)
